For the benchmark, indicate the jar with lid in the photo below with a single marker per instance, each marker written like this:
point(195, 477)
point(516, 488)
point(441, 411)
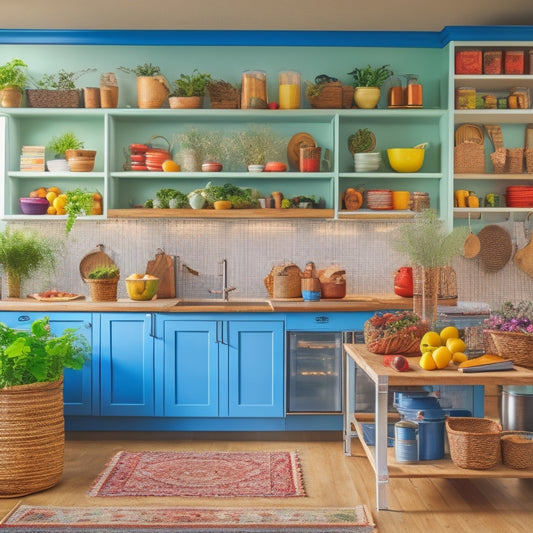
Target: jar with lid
point(289, 89)
point(414, 91)
point(406, 441)
point(254, 90)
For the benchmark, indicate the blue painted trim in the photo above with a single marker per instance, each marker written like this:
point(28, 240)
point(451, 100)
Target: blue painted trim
point(223, 38)
point(486, 33)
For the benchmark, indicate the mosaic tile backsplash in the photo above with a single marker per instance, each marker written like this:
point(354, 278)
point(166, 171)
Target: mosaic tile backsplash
point(253, 247)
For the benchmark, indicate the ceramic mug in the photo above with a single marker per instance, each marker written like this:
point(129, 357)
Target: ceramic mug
point(400, 199)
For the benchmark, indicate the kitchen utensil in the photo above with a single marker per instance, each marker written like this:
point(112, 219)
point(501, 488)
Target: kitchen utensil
point(472, 243)
point(293, 148)
point(92, 260)
point(406, 159)
point(162, 267)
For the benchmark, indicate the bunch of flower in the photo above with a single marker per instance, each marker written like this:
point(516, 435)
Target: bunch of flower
point(517, 318)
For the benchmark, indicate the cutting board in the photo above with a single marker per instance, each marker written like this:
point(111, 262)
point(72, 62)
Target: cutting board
point(163, 268)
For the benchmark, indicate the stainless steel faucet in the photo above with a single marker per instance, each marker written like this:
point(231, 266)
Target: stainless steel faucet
point(225, 289)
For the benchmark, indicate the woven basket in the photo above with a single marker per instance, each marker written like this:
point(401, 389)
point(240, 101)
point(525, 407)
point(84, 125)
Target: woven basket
point(53, 97)
point(474, 442)
point(528, 155)
point(518, 347)
point(330, 97)
point(284, 281)
point(103, 290)
point(488, 343)
point(508, 160)
point(469, 158)
point(32, 440)
point(517, 449)
point(406, 343)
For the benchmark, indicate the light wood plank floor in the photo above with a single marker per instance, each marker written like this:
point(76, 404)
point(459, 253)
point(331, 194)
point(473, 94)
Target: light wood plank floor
point(331, 480)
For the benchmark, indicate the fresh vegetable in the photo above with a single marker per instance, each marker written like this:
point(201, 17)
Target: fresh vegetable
point(399, 363)
point(239, 197)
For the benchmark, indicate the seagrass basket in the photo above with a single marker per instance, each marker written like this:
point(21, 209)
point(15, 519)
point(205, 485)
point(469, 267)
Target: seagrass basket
point(103, 290)
point(469, 158)
point(284, 281)
point(330, 97)
point(53, 97)
point(32, 440)
point(528, 156)
point(403, 342)
point(518, 347)
point(517, 449)
point(474, 442)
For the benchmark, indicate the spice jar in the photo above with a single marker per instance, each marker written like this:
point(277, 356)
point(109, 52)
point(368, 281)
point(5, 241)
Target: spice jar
point(289, 89)
point(414, 92)
point(253, 90)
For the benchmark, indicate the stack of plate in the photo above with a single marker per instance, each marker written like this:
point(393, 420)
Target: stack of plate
point(366, 161)
point(379, 199)
point(155, 159)
point(519, 196)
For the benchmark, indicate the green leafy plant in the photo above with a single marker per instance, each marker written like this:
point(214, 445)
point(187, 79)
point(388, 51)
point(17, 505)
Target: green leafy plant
point(78, 203)
point(370, 76)
point(67, 141)
point(104, 272)
point(12, 74)
point(62, 80)
point(427, 242)
point(23, 252)
point(36, 355)
point(147, 69)
point(168, 198)
point(312, 90)
point(239, 197)
point(193, 84)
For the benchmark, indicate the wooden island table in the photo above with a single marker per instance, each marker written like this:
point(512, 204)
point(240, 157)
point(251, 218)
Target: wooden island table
point(384, 378)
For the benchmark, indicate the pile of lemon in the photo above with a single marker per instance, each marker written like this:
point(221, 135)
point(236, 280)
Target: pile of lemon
point(440, 349)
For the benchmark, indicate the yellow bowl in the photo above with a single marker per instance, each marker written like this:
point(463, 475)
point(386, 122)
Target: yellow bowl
point(406, 159)
point(142, 289)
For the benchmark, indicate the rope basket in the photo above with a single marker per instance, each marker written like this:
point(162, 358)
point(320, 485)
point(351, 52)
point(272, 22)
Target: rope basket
point(284, 281)
point(469, 158)
point(53, 97)
point(103, 290)
point(528, 155)
point(404, 342)
point(32, 439)
point(518, 347)
point(517, 449)
point(474, 442)
point(330, 97)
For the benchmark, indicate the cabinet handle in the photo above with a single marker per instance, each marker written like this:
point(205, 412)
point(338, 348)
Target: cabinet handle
point(23, 318)
point(152, 325)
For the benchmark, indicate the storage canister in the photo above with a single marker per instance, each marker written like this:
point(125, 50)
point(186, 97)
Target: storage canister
point(289, 89)
point(517, 408)
point(253, 90)
point(406, 441)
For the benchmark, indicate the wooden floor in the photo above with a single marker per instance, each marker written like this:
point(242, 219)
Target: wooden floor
point(331, 480)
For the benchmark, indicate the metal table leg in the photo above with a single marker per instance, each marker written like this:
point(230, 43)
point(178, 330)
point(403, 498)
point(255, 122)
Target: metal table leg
point(382, 471)
point(348, 407)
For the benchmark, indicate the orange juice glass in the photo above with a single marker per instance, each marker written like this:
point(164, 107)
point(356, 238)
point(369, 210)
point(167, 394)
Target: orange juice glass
point(289, 90)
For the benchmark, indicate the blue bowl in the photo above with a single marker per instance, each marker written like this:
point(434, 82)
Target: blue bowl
point(311, 296)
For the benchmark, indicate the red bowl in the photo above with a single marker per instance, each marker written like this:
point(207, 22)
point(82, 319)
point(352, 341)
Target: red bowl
point(275, 166)
point(34, 206)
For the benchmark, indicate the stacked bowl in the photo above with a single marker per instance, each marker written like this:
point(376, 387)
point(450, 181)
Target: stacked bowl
point(366, 161)
point(380, 199)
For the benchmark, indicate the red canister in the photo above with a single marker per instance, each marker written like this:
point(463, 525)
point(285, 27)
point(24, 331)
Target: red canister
point(403, 282)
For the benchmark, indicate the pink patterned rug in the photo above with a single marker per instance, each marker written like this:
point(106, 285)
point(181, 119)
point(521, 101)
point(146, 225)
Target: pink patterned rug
point(201, 474)
point(33, 519)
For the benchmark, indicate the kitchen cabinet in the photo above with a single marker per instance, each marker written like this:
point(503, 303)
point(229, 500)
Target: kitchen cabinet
point(126, 350)
point(513, 123)
point(77, 384)
point(222, 367)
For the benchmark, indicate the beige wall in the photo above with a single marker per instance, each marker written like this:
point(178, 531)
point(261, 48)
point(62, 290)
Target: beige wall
point(401, 15)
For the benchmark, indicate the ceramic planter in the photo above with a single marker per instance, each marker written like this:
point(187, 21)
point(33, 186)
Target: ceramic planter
point(367, 97)
point(152, 91)
point(10, 97)
point(185, 102)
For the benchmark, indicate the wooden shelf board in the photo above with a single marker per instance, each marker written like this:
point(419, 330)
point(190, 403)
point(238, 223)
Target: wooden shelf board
point(222, 213)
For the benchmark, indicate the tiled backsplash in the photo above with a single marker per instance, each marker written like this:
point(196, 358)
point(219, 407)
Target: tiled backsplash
point(253, 247)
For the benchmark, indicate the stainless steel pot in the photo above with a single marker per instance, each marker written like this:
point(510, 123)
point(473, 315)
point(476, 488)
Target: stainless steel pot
point(516, 411)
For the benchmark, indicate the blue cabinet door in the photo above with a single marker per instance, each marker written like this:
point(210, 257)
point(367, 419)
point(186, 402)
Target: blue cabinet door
point(191, 368)
point(255, 378)
point(126, 365)
point(77, 387)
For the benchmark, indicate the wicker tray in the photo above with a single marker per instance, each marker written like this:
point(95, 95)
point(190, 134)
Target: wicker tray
point(518, 347)
point(53, 98)
point(474, 442)
point(517, 449)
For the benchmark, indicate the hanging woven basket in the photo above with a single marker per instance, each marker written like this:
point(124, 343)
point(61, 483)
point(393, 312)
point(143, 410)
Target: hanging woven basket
point(32, 440)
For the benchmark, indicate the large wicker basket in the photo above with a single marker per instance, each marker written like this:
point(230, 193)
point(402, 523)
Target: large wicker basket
point(518, 347)
point(32, 439)
point(53, 97)
point(517, 449)
point(103, 290)
point(404, 342)
point(474, 442)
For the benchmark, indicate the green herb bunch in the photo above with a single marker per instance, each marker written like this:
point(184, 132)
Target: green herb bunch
point(147, 69)
point(36, 355)
point(370, 76)
point(63, 80)
point(67, 141)
point(427, 242)
point(104, 272)
point(166, 198)
point(78, 203)
point(240, 198)
point(13, 75)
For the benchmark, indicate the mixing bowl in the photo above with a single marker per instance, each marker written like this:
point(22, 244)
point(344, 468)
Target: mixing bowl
point(406, 159)
point(142, 288)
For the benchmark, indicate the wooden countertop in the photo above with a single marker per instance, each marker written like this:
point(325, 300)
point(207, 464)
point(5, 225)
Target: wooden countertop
point(179, 305)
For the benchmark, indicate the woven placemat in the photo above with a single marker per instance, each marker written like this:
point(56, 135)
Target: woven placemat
point(496, 247)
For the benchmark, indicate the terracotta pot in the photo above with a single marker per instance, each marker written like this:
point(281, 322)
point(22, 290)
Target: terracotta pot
point(366, 97)
point(10, 97)
point(152, 91)
point(185, 102)
point(80, 160)
point(222, 204)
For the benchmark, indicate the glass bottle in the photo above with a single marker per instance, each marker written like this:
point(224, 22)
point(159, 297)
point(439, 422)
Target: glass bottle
point(289, 89)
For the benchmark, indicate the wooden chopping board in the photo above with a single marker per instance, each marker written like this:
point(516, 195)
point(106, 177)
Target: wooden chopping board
point(163, 268)
point(524, 259)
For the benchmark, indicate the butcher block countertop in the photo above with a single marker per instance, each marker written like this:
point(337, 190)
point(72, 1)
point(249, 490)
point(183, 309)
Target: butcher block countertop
point(245, 305)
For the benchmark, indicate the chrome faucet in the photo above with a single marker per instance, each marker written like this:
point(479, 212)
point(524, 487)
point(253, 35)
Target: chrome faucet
point(225, 289)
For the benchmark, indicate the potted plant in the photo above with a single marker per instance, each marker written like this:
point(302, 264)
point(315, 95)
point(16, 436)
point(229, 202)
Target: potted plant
point(23, 252)
point(324, 93)
point(13, 81)
point(103, 283)
point(191, 149)
point(189, 90)
point(31, 401)
point(152, 87)
point(367, 83)
point(56, 90)
point(58, 146)
point(429, 246)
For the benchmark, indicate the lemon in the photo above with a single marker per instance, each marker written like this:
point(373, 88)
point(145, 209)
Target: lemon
point(60, 202)
point(456, 345)
point(426, 361)
point(170, 166)
point(430, 341)
point(458, 358)
point(442, 356)
point(51, 196)
point(51, 210)
point(449, 332)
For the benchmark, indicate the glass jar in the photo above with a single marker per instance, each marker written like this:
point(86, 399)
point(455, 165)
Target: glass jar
point(254, 90)
point(289, 89)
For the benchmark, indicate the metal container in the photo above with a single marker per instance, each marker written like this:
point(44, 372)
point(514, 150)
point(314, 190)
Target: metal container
point(517, 408)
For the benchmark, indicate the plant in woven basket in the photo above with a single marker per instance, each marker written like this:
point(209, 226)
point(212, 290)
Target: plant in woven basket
point(23, 252)
point(104, 272)
point(62, 80)
point(517, 318)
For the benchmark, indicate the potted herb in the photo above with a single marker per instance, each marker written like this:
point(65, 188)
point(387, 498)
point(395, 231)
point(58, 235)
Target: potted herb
point(367, 83)
point(429, 246)
point(152, 87)
point(13, 81)
point(324, 93)
point(23, 252)
point(103, 283)
point(31, 394)
point(59, 146)
point(189, 90)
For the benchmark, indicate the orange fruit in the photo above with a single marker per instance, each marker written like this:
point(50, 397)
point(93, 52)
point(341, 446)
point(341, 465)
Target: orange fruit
point(170, 166)
point(38, 193)
point(51, 210)
point(61, 211)
point(97, 208)
point(54, 189)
